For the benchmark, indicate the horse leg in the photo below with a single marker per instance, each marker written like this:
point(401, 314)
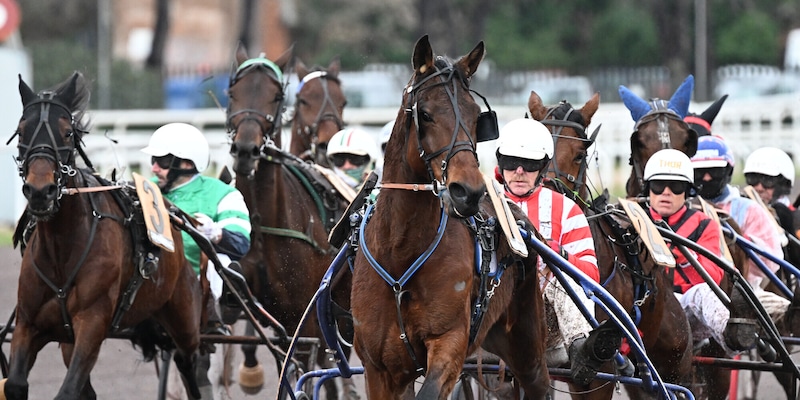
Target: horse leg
point(251, 373)
point(88, 392)
point(446, 356)
point(25, 345)
point(379, 385)
point(90, 328)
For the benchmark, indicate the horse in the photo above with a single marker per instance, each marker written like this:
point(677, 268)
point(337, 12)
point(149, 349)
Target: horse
point(289, 250)
point(660, 124)
point(319, 105)
point(421, 324)
point(85, 258)
point(626, 271)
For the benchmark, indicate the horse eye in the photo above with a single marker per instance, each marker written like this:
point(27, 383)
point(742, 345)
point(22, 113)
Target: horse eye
point(426, 117)
point(69, 133)
point(580, 157)
point(301, 102)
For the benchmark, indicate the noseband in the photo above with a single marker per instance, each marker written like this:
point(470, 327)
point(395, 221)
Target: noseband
point(270, 124)
point(445, 73)
point(327, 111)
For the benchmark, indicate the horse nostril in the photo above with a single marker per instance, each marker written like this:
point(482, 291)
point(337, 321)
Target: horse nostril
point(52, 191)
point(26, 191)
point(458, 192)
point(234, 149)
point(254, 152)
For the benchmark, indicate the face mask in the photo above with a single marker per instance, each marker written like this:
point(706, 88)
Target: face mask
point(356, 173)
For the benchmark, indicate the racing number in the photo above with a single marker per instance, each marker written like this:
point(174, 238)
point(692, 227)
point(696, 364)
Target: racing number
point(155, 218)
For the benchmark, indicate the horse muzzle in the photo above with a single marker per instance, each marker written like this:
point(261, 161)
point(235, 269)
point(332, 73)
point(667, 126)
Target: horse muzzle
point(41, 200)
point(462, 200)
point(245, 158)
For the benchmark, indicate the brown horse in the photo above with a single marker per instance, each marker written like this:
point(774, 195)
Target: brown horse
point(82, 256)
point(319, 105)
point(420, 324)
point(659, 125)
point(627, 272)
point(289, 250)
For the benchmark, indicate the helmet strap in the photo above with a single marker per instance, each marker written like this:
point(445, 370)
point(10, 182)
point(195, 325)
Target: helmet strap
point(174, 174)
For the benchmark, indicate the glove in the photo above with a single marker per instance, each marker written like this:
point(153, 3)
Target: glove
point(210, 229)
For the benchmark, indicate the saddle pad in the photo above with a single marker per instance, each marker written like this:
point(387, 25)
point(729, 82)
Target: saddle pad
point(713, 213)
point(751, 193)
point(156, 217)
point(649, 233)
point(344, 189)
point(505, 217)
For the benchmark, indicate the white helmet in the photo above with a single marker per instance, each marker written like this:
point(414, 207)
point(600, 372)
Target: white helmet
point(770, 161)
point(182, 141)
point(670, 165)
point(525, 138)
point(352, 141)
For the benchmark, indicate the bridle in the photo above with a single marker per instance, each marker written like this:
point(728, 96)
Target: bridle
point(661, 114)
point(44, 143)
point(270, 124)
point(564, 116)
point(445, 73)
point(327, 111)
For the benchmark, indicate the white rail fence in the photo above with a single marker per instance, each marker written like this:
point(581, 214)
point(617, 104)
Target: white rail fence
point(746, 125)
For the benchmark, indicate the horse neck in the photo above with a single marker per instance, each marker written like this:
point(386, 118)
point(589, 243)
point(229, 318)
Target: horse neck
point(264, 193)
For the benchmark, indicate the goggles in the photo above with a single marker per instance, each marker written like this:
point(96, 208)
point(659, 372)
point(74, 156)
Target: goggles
point(338, 159)
point(715, 173)
point(768, 182)
point(676, 187)
point(512, 163)
point(164, 162)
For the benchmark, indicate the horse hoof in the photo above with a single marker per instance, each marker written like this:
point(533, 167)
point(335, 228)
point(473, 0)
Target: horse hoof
point(740, 334)
point(251, 379)
point(2, 389)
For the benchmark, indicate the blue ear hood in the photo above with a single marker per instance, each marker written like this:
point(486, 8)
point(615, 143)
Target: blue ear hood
point(679, 102)
point(637, 106)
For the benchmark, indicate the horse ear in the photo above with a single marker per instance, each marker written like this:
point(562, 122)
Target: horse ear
point(300, 68)
point(334, 67)
point(679, 102)
point(588, 109)
point(25, 92)
point(635, 104)
point(535, 106)
point(283, 61)
point(422, 59)
point(241, 54)
point(68, 92)
point(711, 112)
point(473, 59)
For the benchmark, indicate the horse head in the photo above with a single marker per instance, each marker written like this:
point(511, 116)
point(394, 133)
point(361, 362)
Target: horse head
point(49, 131)
point(318, 110)
point(570, 160)
point(434, 139)
point(659, 125)
point(255, 105)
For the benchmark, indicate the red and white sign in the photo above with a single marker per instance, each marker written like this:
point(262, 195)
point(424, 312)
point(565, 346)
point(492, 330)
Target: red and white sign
point(9, 18)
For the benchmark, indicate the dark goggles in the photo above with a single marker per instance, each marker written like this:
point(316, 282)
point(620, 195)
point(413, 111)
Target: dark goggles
point(676, 187)
point(164, 162)
point(768, 182)
point(512, 163)
point(338, 159)
point(715, 173)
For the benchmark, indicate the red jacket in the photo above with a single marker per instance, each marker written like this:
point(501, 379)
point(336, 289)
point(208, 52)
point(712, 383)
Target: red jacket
point(699, 228)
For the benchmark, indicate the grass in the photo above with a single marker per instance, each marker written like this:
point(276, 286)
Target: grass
point(5, 235)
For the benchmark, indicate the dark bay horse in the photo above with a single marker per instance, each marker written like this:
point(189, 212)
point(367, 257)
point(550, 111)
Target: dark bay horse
point(660, 124)
point(82, 256)
point(626, 269)
point(420, 232)
point(319, 105)
point(289, 250)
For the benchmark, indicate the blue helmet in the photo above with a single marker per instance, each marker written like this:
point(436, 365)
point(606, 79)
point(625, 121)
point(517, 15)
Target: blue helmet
point(712, 152)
